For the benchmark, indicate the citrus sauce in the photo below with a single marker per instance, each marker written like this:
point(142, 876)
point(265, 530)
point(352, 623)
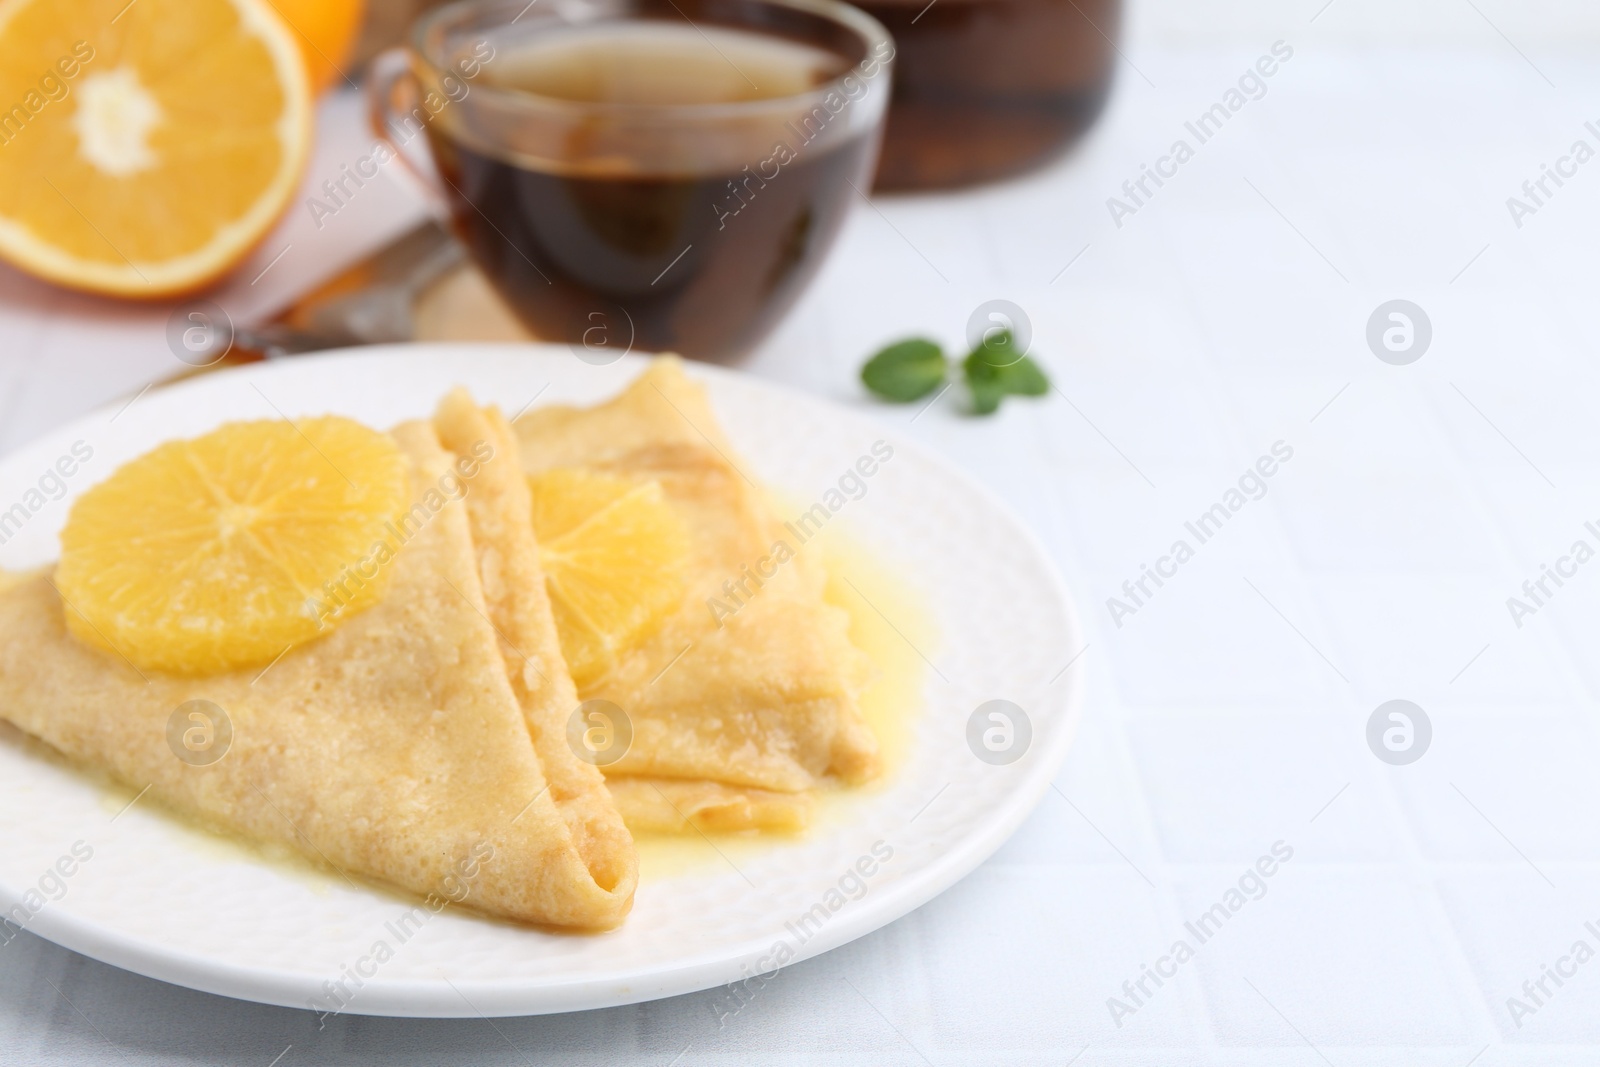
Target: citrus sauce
point(891, 705)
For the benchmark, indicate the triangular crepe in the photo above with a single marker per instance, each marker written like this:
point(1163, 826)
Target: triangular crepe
point(394, 747)
point(513, 587)
point(735, 716)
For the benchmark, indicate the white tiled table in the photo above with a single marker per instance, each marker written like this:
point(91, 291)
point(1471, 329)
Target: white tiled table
point(1229, 713)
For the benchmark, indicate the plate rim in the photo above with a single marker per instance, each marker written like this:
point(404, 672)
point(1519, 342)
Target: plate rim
point(427, 998)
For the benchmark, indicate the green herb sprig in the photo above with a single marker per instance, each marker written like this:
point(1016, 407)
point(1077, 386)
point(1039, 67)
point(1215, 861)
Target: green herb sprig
point(909, 370)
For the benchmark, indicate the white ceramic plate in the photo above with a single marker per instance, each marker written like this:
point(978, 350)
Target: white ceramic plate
point(168, 901)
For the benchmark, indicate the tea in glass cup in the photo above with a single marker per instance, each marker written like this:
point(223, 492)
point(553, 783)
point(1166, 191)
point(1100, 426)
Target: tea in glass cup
point(653, 175)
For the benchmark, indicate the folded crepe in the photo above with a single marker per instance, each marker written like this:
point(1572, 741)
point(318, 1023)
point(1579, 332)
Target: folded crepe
point(398, 746)
point(513, 587)
point(745, 700)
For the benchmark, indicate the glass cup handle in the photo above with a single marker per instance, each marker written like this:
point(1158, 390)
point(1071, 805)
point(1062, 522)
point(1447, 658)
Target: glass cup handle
point(393, 101)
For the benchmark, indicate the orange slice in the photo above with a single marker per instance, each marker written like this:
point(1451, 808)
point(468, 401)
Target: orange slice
point(145, 146)
point(229, 549)
point(613, 553)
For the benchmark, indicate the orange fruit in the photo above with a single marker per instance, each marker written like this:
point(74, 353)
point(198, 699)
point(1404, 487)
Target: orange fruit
point(145, 146)
point(227, 550)
point(613, 553)
point(327, 30)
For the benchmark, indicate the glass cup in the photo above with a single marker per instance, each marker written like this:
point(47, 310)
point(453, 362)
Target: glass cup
point(648, 175)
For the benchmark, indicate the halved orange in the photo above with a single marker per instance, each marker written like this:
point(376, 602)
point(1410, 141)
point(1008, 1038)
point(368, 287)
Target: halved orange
point(146, 146)
point(327, 30)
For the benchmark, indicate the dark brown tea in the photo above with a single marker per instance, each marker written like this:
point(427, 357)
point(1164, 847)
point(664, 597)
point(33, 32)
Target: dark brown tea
point(652, 244)
point(988, 88)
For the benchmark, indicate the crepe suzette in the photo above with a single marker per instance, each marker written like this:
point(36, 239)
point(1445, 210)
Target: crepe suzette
point(407, 740)
point(744, 699)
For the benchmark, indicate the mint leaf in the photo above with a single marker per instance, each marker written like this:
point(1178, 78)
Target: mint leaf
point(986, 394)
point(905, 371)
point(995, 368)
point(983, 380)
point(1024, 378)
